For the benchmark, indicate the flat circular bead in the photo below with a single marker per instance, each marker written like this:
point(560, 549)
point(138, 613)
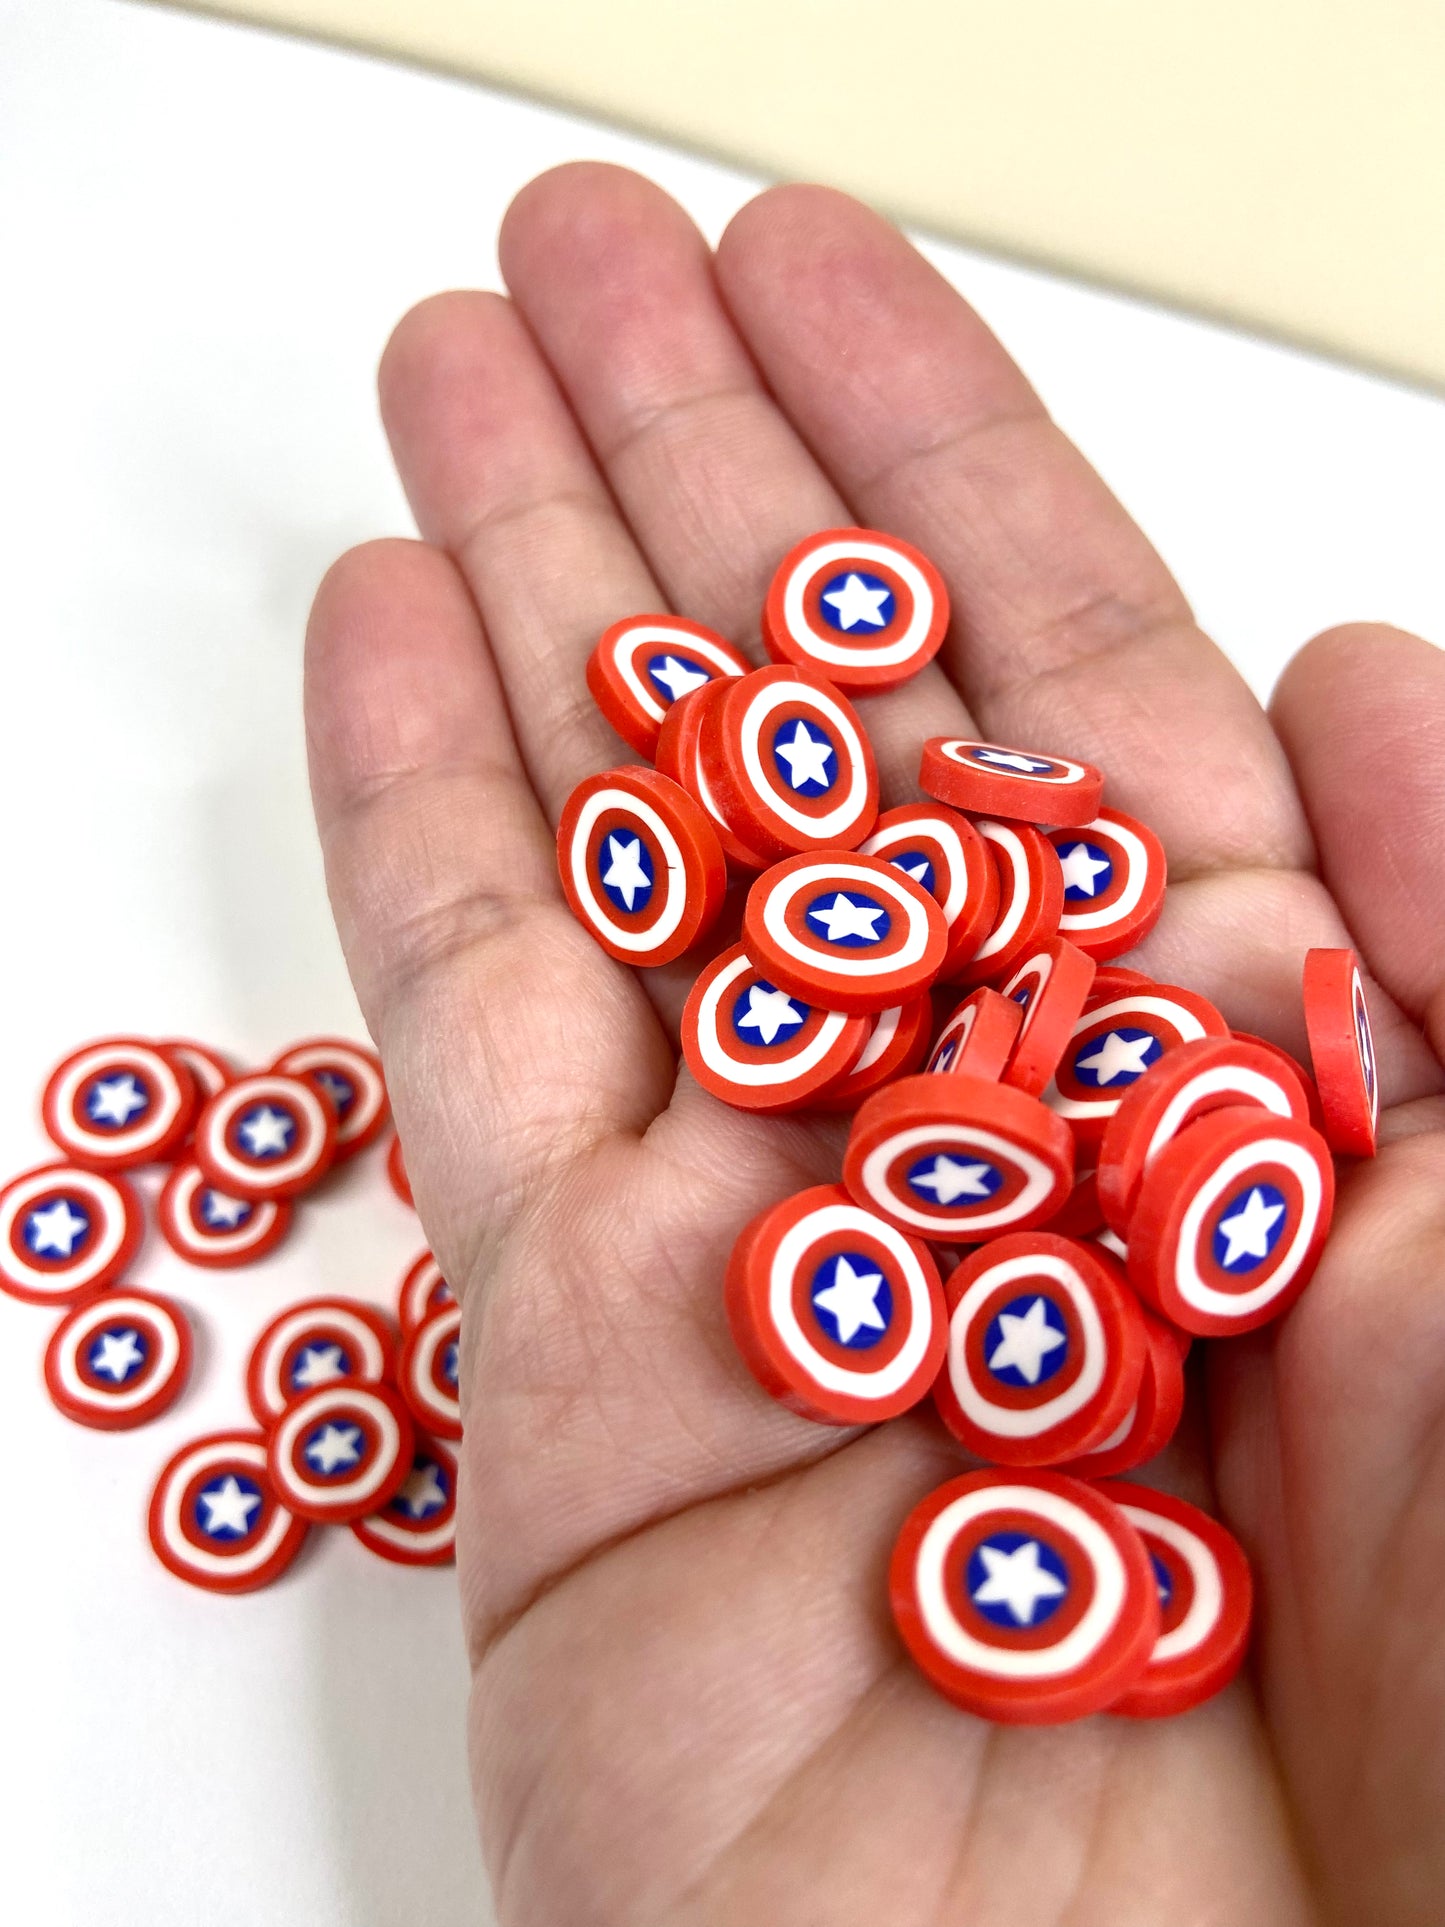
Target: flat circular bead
point(118, 1103)
point(1153, 1418)
point(946, 856)
point(846, 931)
point(1115, 1043)
point(1230, 1221)
point(1031, 895)
point(789, 763)
point(978, 1036)
point(641, 865)
point(423, 1291)
point(679, 755)
point(207, 1227)
point(341, 1452)
point(989, 779)
point(429, 1372)
point(215, 1520)
point(313, 1344)
point(1206, 1601)
point(66, 1232)
point(957, 1159)
point(1046, 1349)
point(1114, 877)
point(351, 1077)
point(836, 1315)
point(118, 1360)
point(865, 609)
point(1050, 987)
point(896, 1045)
point(266, 1135)
point(418, 1525)
point(1342, 1049)
point(1211, 1074)
point(758, 1048)
point(644, 664)
point(1024, 1597)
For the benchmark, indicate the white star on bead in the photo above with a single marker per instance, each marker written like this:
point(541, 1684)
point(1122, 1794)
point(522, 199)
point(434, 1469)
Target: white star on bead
point(855, 602)
point(1080, 869)
point(1118, 1057)
point(267, 1131)
point(806, 757)
point(56, 1229)
point(333, 1446)
point(768, 1012)
point(117, 1355)
point(318, 1365)
point(949, 1180)
point(222, 1212)
point(1012, 759)
point(918, 871)
point(229, 1509)
point(115, 1099)
point(423, 1492)
point(1026, 1342)
point(1247, 1232)
point(844, 918)
point(676, 677)
point(626, 875)
point(851, 1300)
point(1016, 1580)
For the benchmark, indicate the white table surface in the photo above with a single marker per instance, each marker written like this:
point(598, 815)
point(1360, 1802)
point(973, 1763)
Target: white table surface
point(206, 236)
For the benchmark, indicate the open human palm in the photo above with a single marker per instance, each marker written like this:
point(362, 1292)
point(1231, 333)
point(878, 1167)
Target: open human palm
point(689, 1708)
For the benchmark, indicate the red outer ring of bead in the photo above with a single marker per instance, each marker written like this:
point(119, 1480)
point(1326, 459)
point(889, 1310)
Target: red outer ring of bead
point(1112, 980)
point(1243, 1074)
point(727, 746)
point(319, 1506)
point(1291, 1063)
point(784, 643)
point(1031, 895)
point(1349, 1097)
point(1141, 895)
point(898, 1052)
point(679, 755)
point(772, 936)
point(691, 878)
point(396, 1172)
point(1120, 1653)
point(963, 1118)
point(412, 1549)
point(216, 1256)
point(127, 1204)
point(634, 710)
point(1154, 1417)
point(287, 1179)
point(267, 1402)
point(1057, 978)
point(771, 1353)
point(982, 1030)
point(1188, 1679)
point(1166, 1204)
point(249, 1449)
point(1071, 799)
point(430, 1416)
point(971, 882)
point(823, 1049)
point(99, 1416)
point(1100, 1283)
point(415, 1292)
point(91, 1151)
point(1080, 1216)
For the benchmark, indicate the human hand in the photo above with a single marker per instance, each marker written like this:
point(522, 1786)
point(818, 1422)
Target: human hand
point(689, 1707)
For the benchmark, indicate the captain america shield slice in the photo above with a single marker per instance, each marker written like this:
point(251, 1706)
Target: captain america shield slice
point(945, 855)
point(1115, 1043)
point(1031, 895)
point(215, 1520)
point(423, 1291)
point(65, 1232)
point(1206, 1603)
point(896, 1047)
point(836, 1315)
point(1211, 1074)
point(679, 756)
point(1342, 1048)
point(314, 1344)
point(351, 1078)
point(756, 1047)
point(990, 779)
point(418, 1524)
point(266, 1136)
point(119, 1102)
point(1230, 1221)
point(1153, 1418)
point(789, 763)
point(429, 1372)
point(207, 1227)
point(1046, 1349)
point(644, 664)
point(118, 1360)
point(1114, 877)
point(340, 1452)
point(641, 865)
point(1024, 1597)
point(957, 1159)
point(1050, 987)
point(865, 609)
point(846, 931)
point(978, 1036)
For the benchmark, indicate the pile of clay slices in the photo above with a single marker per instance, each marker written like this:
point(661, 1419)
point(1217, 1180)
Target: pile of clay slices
point(349, 1423)
point(1104, 1170)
